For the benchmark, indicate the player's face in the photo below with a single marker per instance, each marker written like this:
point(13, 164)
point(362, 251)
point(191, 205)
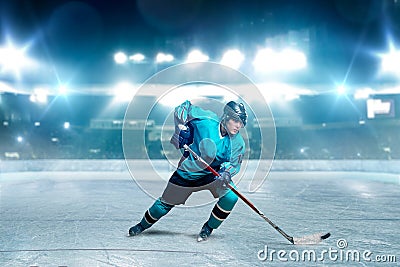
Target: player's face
point(233, 126)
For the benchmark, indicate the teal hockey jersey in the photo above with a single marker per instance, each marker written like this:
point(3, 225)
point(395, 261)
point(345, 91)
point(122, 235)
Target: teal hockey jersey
point(217, 150)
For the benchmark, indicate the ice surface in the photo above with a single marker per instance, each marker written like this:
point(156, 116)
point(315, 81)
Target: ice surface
point(82, 218)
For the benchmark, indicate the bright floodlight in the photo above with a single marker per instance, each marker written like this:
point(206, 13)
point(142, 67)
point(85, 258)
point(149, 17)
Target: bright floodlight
point(137, 57)
point(195, 92)
point(120, 58)
point(296, 60)
point(196, 56)
point(263, 60)
point(62, 89)
point(66, 125)
point(363, 93)
point(161, 57)
point(39, 96)
point(268, 60)
point(13, 59)
point(232, 58)
point(20, 139)
point(391, 62)
point(124, 92)
point(281, 92)
point(341, 89)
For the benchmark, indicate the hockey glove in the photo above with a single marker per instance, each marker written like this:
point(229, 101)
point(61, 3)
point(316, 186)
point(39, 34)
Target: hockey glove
point(223, 179)
point(183, 135)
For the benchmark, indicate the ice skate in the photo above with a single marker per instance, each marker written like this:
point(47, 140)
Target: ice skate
point(205, 232)
point(135, 230)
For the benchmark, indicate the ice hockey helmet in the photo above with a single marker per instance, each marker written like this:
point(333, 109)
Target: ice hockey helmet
point(233, 110)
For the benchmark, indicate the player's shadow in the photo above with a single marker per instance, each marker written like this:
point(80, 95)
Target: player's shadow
point(161, 232)
point(170, 233)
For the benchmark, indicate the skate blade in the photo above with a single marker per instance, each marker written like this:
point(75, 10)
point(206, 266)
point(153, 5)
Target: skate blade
point(201, 239)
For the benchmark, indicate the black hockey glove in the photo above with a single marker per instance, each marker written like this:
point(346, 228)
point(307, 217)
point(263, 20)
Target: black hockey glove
point(223, 179)
point(183, 135)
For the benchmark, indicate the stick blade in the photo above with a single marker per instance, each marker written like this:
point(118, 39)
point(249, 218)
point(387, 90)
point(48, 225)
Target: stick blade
point(325, 236)
point(311, 239)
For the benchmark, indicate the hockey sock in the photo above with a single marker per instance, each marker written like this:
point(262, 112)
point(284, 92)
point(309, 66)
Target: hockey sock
point(154, 213)
point(222, 209)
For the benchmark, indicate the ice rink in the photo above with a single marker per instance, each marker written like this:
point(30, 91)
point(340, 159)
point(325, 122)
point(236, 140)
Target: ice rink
point(81, 218)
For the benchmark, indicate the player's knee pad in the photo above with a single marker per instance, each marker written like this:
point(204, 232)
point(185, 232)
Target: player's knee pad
point(228, 201)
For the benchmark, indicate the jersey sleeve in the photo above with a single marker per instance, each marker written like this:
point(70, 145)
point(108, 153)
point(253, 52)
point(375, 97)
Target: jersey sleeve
point(237, 153)
point(181, 114)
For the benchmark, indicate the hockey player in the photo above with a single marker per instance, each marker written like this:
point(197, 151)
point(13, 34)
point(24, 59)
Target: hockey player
point(215, 139)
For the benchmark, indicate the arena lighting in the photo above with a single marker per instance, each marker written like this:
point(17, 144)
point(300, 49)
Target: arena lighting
point(120, 58)
point(341, 89)
point(66, 125)
point(195, 92)
point(13, 59)
point(296, 60)
point(6, 88)
point(161, 57)
point(391, 62)
point(392, 90)
point(262, 61)
point(62, 89)
point(137, 58)
point(363, 93)
point(20, 139)
point(124, 91)
point(232, 58)
point(173, 98)
point(196, 56)
point(268, 60)
point(39, 96)
point(303, 150)
point(280, 92)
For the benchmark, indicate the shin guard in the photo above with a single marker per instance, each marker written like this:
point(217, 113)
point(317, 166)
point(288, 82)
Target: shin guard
point(222, 209)
point(154, 213)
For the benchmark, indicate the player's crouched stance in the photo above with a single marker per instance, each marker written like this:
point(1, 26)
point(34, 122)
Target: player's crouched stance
point(217, 140)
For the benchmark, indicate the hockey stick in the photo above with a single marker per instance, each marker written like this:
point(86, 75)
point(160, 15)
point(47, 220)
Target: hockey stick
point(312, 239)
